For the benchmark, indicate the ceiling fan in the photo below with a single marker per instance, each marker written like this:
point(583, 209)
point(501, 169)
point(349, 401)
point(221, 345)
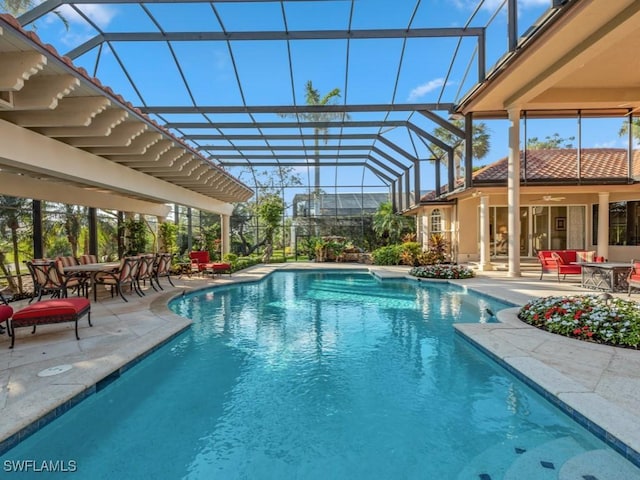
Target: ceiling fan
point(549, 198)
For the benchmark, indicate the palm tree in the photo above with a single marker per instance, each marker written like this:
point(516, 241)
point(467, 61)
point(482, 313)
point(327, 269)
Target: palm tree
point(635, 129)
point(388, 225)
point(313, 97)
point(479, 138)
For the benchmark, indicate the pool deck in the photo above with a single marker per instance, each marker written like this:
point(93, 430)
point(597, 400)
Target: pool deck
point(597, 382)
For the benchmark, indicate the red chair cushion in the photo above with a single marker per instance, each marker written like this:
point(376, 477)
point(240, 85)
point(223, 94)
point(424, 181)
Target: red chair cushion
point(5, 313)
point(201, 257)
point(62, 310)
point(221, 266)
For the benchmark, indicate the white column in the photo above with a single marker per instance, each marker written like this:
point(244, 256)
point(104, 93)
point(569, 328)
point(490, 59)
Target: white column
point(225, 233)
point(485, 253)
point(513, 192)
point(603, 224)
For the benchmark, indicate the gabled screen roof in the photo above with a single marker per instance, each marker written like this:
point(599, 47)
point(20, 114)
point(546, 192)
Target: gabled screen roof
point(230, 77)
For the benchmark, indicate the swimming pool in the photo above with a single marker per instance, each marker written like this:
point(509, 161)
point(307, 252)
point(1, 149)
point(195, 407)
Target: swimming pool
point(323, 375)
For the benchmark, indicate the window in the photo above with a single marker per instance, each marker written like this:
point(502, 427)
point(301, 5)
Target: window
point(624, 223)
point(436, 221)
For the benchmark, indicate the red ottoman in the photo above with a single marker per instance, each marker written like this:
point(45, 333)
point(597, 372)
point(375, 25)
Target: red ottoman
point(48, 312)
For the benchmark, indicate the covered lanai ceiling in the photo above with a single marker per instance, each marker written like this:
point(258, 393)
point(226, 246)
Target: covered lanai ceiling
point(66, 138)
point(228, 77)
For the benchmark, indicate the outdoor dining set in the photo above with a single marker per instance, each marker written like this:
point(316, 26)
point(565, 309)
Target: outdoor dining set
point(64, 274)
point(57, 277)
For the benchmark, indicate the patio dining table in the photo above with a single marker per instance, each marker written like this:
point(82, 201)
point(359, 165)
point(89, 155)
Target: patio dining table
point(92, 269)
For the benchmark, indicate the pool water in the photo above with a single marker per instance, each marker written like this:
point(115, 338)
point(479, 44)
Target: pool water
point(317, 376)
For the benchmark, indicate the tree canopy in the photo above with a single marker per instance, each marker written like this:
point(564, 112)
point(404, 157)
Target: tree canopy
point(550, 141)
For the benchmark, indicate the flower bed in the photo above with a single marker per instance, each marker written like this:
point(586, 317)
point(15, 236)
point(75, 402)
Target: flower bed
point(441, 270)
point(596, 318)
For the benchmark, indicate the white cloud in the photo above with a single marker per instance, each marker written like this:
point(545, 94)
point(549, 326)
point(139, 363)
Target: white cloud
point(100, 14)
point(421, 90)
point(609, 144)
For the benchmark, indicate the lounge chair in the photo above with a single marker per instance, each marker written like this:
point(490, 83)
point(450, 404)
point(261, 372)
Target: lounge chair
point(633, 278)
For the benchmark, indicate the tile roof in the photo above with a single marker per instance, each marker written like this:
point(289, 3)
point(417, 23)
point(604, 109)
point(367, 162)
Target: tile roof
point(558, 164)
point(555, 164)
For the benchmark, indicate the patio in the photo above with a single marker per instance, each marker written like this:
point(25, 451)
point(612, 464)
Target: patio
point(598, 382)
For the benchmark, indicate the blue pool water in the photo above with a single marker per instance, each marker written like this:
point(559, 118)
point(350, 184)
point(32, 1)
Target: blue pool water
point(316, 376)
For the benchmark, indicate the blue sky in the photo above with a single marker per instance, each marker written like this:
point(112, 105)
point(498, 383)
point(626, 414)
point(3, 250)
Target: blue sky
point(366, 71)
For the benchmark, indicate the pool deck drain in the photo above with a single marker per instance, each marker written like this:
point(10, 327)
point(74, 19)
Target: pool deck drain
point(599, 382)
point(57, 370)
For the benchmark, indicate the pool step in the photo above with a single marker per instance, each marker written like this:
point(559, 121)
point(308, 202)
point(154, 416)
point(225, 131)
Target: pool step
point(493, 462)
point(545, 461)
point(530, 457)
point(600, 465)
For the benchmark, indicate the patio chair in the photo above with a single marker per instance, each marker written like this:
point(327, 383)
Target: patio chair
point(633, 278)
point(125, 275)
point(146, 272)
point(87, 259)
point(49, 278)
point(163, 268)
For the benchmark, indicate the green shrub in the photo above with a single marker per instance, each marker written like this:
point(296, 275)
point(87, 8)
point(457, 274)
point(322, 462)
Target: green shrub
point(410, 253)
point(230, 258)
point(245, 262)
point(389, 255)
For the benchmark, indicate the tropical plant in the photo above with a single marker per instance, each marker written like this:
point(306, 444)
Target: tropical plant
point(168, 233)
point(480, 143)
point(388, 225)
point(314, 98)
point(136, 236)
point(270, 210)
point(635, 128)
point(410, 253)
point(13, 215)
point(389, 255)
point(439, 246)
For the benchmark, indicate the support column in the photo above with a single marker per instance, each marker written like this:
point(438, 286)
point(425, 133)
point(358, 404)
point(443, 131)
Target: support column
point(93, 231)
point(485, 236)
point(189, 230)
point(225, 233)
point(513, 192)
point(603, 224)
point(36, 210)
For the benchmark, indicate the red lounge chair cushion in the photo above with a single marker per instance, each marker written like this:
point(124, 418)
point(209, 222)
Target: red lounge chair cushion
point(51, 311)
point(221, 266)
point(5, 313)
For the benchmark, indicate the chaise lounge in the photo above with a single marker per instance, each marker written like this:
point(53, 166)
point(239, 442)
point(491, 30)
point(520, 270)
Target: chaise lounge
point(48, 312)
point(205, 264)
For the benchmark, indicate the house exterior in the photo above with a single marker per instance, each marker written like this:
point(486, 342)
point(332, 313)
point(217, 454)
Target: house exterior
point(564, 194)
